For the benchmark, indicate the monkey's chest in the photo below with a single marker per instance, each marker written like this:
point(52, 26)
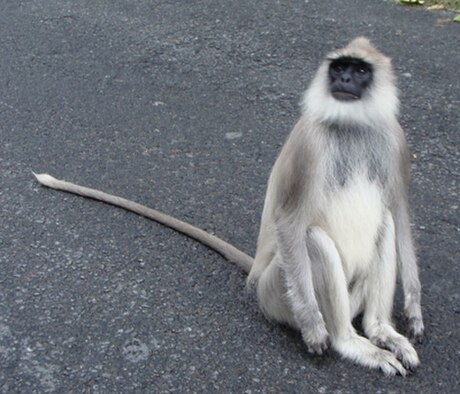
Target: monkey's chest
point(352, 217)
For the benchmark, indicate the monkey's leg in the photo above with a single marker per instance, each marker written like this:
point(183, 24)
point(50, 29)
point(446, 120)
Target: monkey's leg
point(331, 290)
point(380, 288)
point(270, 293)
point(333, 298)
point(357, 299)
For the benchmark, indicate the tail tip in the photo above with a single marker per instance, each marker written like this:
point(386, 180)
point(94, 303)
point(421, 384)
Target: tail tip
point(44, 179)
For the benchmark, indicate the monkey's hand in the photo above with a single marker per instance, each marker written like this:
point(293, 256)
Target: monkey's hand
point(413, 314)
point(416, 329)
point(316, 337)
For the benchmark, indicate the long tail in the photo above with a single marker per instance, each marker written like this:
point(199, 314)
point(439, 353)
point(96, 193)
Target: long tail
point(228, 251)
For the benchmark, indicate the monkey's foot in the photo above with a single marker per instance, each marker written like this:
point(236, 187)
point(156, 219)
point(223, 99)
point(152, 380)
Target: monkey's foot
point(401, 348)
point(385, 336)
point(361, 351)
point(389, 364)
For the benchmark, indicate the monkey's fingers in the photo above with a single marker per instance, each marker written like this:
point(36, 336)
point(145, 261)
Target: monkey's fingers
point(318, 348)
point(416, 330)
point(317, 340)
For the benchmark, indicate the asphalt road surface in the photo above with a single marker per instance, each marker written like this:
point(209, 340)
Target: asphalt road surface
point(184, 106)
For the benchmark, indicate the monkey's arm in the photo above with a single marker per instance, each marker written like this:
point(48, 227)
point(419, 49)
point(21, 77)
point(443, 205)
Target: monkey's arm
point(408, 270)
point(297, 268)
point(225, 249)
point(292, 181)
point(407, 261)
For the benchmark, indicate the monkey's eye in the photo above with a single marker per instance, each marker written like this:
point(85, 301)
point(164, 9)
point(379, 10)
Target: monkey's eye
point(337, 68)
point(361, 70)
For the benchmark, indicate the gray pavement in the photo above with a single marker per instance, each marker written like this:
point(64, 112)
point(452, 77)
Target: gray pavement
point(183, 106)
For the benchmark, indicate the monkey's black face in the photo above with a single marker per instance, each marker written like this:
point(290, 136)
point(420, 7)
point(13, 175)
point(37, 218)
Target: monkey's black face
point(349, 78)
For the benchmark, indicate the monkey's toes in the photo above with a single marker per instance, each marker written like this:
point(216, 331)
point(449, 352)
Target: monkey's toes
point(408, 358)
point(390, 366)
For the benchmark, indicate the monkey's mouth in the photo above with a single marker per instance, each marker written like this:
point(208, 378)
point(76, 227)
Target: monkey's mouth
point(345, 96)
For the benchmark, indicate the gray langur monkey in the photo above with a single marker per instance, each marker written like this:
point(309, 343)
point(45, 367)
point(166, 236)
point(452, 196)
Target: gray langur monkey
point(335, 225)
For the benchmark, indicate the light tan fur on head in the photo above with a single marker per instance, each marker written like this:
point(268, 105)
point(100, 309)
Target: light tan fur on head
point(380, 104)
